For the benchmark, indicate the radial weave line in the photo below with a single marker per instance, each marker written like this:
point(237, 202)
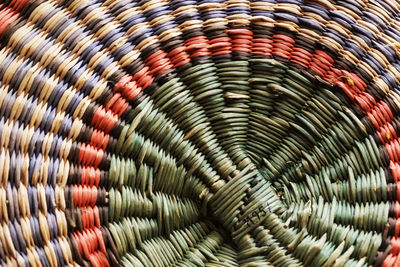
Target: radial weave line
point(199, 133)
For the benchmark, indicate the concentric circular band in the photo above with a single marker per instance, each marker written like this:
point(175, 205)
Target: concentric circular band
point(199, 133)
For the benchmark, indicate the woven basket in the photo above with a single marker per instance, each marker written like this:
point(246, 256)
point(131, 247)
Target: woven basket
point(199, 133)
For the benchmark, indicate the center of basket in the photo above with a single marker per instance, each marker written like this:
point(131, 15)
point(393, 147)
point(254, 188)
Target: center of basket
point(245, 202)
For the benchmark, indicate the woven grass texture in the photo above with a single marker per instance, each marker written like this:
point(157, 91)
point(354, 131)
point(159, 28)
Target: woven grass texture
point(199, 133)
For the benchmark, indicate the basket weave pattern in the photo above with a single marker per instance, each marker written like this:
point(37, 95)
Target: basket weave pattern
point(199, 133)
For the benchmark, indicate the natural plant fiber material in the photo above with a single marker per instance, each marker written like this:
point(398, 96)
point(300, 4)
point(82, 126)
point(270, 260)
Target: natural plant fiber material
point(199, 133)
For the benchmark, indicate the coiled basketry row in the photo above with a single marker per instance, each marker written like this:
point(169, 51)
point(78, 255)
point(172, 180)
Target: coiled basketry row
point(199, 133)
